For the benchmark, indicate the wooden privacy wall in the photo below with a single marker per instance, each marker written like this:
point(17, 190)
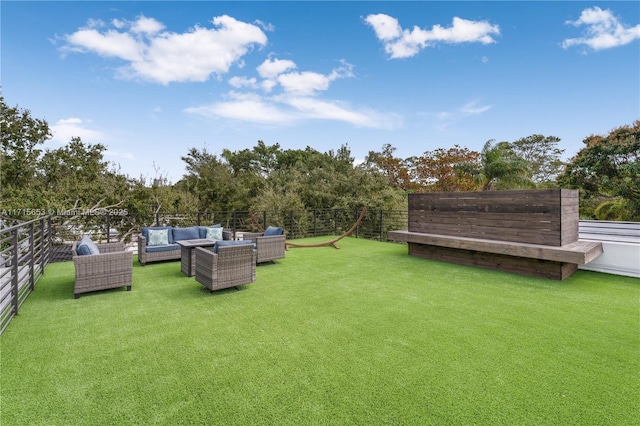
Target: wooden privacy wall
point(532, 232)
point(547, 217)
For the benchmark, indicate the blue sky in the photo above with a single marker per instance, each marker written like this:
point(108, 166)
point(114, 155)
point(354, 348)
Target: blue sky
point(151, 80)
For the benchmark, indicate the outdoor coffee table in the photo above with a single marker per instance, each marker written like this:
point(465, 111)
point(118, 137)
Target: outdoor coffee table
point(188, 254)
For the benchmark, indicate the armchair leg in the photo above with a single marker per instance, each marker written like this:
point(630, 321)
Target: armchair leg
point(128, 288)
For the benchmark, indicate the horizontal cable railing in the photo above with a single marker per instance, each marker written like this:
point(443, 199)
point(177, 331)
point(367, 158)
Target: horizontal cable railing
point(24, 254)
point(297, 224)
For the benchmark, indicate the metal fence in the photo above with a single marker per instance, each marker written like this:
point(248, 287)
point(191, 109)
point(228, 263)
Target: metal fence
point(24, 254)
point(107, 227)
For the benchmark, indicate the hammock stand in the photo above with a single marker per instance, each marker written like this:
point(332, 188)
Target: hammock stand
point(323, 244)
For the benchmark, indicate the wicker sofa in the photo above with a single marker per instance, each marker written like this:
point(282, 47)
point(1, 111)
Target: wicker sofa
point(227, 264)
point(156, 251)
point(101, 266)
point(270, 244)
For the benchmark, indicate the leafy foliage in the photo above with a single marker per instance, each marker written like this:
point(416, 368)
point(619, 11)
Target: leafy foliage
point(608, 169)
point(439, 170)
point(542, 156)
point(266, 177)
point(500, 167)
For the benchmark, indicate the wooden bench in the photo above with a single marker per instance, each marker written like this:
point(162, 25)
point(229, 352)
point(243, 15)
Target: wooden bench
point(531, 232)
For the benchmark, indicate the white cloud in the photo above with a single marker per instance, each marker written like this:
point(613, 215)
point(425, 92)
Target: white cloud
point(164, 57)
point(245, 107)
point(148, 26)
point(308, 83)
point(386, 27)
point(445, 119)
point(326, 110)
point(603, 30)
point(305, 83)
point(287, 110)
point(66, 129)
point(272, 68)
point(472, 108)
point(239, 82)
point(295, 100)
point(111, 44)
point(404, 43)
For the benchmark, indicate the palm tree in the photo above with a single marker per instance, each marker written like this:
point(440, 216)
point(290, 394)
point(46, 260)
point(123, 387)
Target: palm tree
point(499, 168)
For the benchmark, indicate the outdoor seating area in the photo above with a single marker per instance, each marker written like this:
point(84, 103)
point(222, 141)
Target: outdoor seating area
point(364, 334)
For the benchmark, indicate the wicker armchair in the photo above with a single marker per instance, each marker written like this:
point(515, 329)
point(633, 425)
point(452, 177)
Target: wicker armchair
point(269, 248)
point(111, 268)
point(231, 266)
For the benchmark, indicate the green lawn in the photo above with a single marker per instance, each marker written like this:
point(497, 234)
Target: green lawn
point(361, 335)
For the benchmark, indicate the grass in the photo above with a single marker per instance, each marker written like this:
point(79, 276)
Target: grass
point(361, 335)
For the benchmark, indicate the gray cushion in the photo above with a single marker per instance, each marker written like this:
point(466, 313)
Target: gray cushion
point(86, 247)
point(226, 243)
point(191, 233)
point(272, 230)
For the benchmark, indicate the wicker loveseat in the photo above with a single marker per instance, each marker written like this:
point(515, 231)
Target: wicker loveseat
point(101, 266)
point(159, 243)
point(227, 264)
point(270, 244)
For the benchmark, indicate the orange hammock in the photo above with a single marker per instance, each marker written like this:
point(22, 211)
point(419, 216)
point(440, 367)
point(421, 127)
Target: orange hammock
point(326, 243)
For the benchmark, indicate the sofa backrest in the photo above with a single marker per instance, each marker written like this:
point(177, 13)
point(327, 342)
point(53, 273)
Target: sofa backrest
point(191, 233)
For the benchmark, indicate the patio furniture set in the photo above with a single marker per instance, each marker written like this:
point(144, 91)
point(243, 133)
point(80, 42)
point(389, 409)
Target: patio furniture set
point(209, 253)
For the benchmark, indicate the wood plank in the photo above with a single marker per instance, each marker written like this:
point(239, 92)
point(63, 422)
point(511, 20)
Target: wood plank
point(519, 265)
point(580, 252)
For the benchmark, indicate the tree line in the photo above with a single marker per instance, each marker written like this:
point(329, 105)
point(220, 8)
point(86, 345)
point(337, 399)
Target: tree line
point(76, 176)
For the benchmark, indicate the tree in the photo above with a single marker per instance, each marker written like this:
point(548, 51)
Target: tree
point(437, 170)
point(210, 180)
point(395, 169)
point(499, 168)
point(20, 136)
point(542, 156)
point(607, 169)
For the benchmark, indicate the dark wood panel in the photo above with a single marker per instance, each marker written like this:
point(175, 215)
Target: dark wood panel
point(525, 266)
point(532, 232)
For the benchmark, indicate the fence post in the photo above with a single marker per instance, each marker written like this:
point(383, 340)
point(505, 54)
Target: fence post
point(47, 259)
point(292, 226)
point(234, 224)
point(32, 247)
point(264, 219)
point(108, 228)
point(315, 222)
point(14, 274)
point(381, 227)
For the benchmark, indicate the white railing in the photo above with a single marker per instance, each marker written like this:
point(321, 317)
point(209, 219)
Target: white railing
point(620, 244)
